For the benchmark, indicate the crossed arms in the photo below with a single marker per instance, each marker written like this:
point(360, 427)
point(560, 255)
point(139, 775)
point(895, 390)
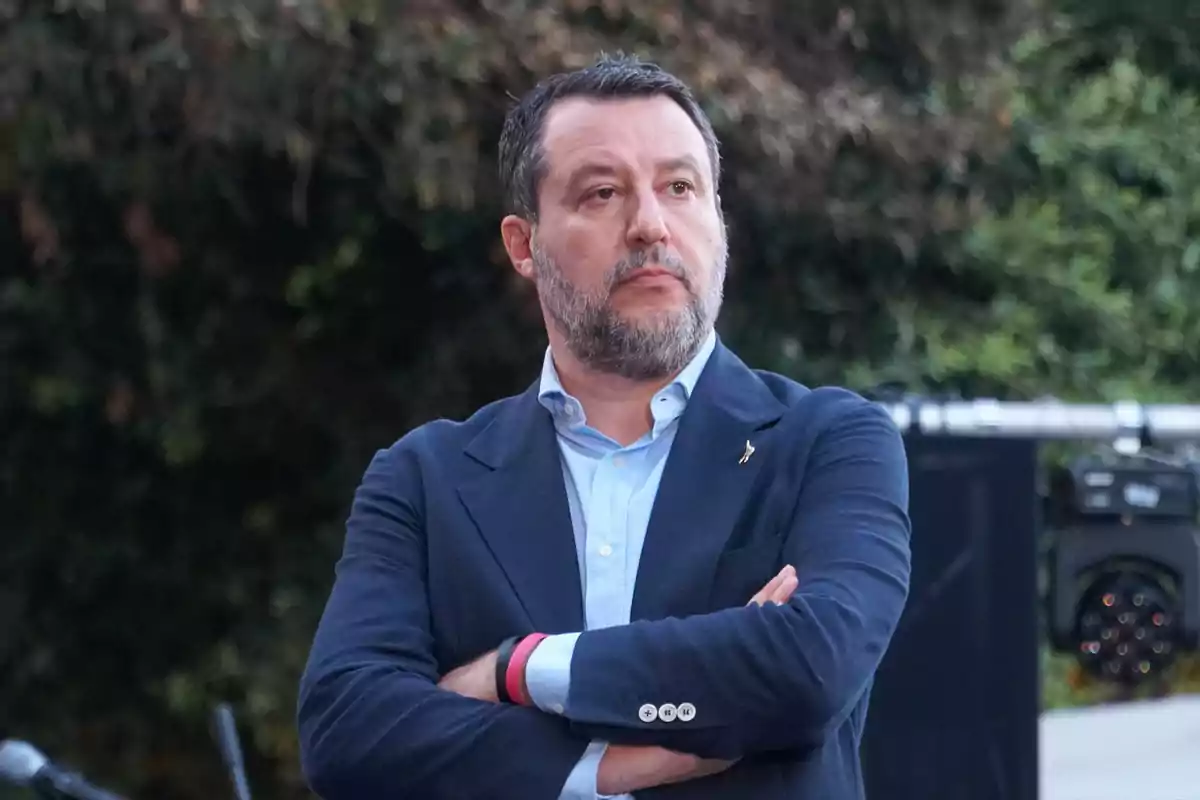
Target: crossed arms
point(374, 722)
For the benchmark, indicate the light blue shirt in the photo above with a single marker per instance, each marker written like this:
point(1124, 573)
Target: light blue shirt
point(610, 491)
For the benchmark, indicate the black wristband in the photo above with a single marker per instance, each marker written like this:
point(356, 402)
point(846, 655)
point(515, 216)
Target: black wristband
point(503, 656)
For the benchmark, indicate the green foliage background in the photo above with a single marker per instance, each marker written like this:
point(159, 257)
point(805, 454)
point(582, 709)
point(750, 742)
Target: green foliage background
point(245, 244)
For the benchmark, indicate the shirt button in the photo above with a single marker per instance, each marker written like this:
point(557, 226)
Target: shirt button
point(556, 708)
point(618, 461)
point(606, 550)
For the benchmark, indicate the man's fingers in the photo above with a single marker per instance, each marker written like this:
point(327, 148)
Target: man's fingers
point(776, 586)
point(763, 594)
point(711, 766)
point(784, 592)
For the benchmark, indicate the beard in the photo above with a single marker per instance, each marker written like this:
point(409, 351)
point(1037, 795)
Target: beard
point(654, 346)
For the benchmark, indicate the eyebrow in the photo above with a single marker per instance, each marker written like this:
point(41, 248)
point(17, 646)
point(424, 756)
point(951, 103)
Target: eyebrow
point(590, 170)
point(682, 163)
point(595, 169)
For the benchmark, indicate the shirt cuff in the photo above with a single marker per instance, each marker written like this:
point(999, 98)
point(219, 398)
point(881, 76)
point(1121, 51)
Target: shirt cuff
point(548, 672)
point(581, 783)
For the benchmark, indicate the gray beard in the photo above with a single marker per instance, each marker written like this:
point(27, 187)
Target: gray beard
point(651, 348)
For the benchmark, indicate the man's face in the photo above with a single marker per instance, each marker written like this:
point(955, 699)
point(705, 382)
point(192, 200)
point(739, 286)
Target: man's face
point(629, 251)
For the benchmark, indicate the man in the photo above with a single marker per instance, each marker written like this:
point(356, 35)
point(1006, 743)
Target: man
point(550, 599)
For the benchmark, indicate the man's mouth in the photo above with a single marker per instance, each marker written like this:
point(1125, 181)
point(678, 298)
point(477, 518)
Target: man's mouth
point(655, 274)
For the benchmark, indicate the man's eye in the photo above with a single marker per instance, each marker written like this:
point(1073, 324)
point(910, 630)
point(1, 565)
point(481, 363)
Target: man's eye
point(603, 193)
point(680, 187)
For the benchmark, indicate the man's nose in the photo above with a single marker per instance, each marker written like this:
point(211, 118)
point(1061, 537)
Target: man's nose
point(647, 225)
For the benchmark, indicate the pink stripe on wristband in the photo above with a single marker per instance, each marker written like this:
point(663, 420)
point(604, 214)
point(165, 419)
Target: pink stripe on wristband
point(514, 676)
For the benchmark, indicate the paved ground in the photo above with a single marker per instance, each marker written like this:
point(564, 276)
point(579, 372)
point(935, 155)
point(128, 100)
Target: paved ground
point(1139, 751)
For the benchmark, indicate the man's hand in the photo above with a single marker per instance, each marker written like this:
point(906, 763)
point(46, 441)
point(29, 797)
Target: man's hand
point(779, 589)
point(626, 769)
point(475, 679)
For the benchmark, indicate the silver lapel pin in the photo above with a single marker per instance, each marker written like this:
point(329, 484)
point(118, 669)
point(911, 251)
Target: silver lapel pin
point(746, 455)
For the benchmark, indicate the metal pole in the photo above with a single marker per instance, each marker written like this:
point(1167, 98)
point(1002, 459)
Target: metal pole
point(1048, 419)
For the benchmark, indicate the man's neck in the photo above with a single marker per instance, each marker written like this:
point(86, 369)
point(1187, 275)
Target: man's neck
point(617, 407)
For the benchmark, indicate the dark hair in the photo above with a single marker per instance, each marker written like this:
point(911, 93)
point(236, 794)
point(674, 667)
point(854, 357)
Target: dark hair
point(522, 165)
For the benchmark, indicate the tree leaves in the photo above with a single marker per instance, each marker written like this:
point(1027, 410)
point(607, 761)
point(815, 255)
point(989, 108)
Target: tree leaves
point(1094, 250)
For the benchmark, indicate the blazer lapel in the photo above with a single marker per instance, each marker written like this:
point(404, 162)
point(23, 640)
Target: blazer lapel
point(704, 487)
point(520, 507)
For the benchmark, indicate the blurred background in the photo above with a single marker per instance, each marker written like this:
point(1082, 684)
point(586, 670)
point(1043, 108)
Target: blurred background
point(244, 244)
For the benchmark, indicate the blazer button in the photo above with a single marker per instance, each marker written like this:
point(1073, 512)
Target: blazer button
point(686, 712)
point(648, 713)
point(667, 712)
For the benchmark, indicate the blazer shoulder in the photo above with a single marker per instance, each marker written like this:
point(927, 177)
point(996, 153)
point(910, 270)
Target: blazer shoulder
point(822, 406)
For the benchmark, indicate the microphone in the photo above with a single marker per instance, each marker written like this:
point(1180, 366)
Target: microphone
point(24, 765)
point(231, 750)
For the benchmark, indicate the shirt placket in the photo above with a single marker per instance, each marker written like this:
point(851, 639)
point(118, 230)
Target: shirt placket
point(607, 543)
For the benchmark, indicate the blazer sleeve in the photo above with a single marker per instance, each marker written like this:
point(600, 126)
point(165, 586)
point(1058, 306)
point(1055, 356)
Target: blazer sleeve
point(372, 721)
point(773, 677)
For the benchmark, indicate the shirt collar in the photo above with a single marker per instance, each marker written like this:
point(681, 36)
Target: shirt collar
point(566, 408)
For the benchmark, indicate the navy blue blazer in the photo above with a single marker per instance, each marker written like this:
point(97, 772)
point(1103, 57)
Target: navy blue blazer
point(460, 536)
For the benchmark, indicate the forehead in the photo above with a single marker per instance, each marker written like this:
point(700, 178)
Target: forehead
point(633, 133)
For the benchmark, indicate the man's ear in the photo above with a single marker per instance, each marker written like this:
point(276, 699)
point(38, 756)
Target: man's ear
point(517, 233)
